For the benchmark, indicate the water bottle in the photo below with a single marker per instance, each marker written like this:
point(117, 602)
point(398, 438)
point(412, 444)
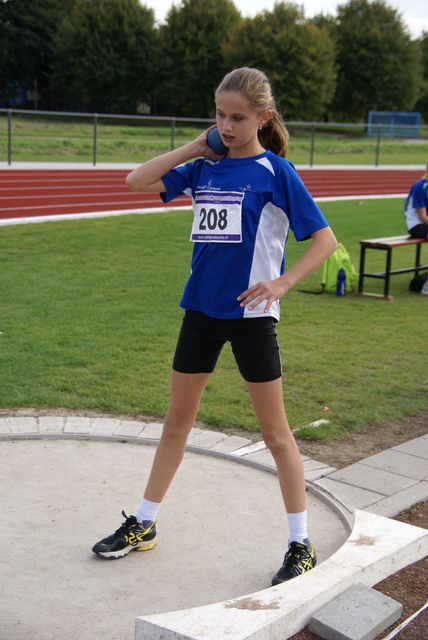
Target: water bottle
point(424, 290)
point(341, 283)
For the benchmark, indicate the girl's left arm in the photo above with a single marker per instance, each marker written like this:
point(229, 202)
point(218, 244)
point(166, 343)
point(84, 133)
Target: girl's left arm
point(323, 244)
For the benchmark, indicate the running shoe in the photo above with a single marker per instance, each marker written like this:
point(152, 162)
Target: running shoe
point(299, 558)
point(131, 536)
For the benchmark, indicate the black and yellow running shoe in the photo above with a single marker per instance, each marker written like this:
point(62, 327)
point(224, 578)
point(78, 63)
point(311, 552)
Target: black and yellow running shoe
point(131, 536)
point(299, 558)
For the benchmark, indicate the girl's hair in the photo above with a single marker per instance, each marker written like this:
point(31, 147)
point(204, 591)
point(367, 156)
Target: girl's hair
point(255, 86)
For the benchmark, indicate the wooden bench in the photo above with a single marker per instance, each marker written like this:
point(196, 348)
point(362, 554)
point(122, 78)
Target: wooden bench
point(388, 244)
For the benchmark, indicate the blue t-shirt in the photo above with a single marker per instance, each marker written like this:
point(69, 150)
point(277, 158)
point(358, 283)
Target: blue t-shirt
point(417, 199)
point(243, 210)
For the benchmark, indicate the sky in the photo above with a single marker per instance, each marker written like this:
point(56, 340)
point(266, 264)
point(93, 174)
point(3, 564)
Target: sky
point(413, 12)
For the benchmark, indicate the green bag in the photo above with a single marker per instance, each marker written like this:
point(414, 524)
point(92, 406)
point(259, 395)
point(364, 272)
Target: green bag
point(340, 259)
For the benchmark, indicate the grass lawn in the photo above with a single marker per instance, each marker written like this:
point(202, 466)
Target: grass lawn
point(90, 316)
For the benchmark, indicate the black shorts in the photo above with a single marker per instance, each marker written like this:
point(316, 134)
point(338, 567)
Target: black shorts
point(254, 344)
point(419, 231)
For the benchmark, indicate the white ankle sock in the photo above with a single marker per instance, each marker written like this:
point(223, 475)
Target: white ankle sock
point(147, 510)
point(298, 526)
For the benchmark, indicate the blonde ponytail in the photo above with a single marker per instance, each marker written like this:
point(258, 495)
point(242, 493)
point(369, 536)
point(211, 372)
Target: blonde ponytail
point(274, 135)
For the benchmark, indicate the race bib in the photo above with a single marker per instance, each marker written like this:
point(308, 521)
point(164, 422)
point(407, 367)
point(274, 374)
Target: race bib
point(217, 216)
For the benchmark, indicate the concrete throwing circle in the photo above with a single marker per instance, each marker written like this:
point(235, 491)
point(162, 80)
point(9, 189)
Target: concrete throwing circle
point(222, 533)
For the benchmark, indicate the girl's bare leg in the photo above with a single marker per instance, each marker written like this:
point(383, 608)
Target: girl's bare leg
point(267, 399)
point(186, 393)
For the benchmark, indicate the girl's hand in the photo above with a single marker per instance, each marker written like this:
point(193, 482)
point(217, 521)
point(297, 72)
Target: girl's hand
point(263, 291)
point(322, 246)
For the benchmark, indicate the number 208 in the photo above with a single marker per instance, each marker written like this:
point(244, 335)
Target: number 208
point(213, 219)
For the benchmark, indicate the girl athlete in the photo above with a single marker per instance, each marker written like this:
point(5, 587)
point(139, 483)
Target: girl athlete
point(416, 208)
point(244, 205)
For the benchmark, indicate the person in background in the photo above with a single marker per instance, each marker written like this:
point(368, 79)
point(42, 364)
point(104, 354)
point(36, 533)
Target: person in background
point(416, 208)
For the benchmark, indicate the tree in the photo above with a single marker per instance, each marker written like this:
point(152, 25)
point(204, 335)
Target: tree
point(298, 57)
point(422, 104)
point(191, 63)
point(379, 65)
point(27, 34)
point(103, 55)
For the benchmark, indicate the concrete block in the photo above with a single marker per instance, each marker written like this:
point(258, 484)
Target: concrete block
point(251, 448)
point(205, 439)
point(229, 445)
point(416, 447)
point(391, 506)
point(74, 424)
point(350, 496)
point(315, 474)
point(103, 426)
point(373, 479)
point(51, 424)
point(152, 431)
point(22, 425)
point(194, 434)
point(4, 427)
point(361, 613)
point(262, 457)
point(315, 470)
point(129, 428)
point(401, 463)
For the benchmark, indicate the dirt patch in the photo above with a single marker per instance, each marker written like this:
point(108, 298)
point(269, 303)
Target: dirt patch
point(374, 439)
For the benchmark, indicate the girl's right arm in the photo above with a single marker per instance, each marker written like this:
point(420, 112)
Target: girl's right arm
point(147, 178)
point(423, 214)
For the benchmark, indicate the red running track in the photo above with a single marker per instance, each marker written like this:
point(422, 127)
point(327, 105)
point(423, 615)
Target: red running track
point(30, 193)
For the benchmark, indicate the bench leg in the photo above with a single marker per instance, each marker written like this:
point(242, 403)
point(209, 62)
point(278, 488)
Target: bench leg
point(417, 259)
point(362, 264)
point(387, 272)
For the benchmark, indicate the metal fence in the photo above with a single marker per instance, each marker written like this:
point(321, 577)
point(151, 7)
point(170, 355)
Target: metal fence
point(46, 135)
